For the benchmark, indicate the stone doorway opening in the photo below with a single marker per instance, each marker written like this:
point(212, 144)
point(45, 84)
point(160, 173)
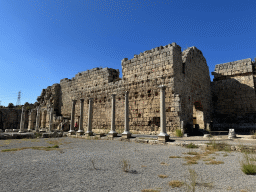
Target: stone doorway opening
point(198, 115)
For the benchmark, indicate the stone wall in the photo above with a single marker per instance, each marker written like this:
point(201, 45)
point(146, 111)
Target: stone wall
point(186, 76)
point(193, 85)
point(233, 91)
point(190, 95)
point(10, 118)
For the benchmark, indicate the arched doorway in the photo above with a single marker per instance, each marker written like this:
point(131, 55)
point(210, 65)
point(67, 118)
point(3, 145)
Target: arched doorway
point(198, 114)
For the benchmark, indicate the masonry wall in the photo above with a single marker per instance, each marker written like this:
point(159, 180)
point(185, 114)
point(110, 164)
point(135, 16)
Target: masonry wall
point(10, 118)
point(193, 85)
point(233, 91)
point(142, 76)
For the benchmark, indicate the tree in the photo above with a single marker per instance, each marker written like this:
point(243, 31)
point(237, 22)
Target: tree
point(10, 105)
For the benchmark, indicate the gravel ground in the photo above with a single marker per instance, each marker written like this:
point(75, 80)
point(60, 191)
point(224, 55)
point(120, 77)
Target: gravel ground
point(70, 168)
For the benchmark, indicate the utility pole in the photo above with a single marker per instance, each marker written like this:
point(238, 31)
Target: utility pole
point(18, 100)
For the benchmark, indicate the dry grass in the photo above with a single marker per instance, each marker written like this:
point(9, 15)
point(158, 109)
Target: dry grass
point(213, 162)
point(35, 148)
point(125, 165)
point(163, 176)
point(54, 142)
point(163, 163)
point(175, 183)
point(192, 153)
point(248, 167)
point(214, 147)
point(192, 145)
point(149, 190)
point(174, 157)
point(193, 181)
point(190, 162)
point(143, 166)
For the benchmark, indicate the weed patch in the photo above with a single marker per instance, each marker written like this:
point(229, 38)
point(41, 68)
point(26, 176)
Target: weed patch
point(175, 183)
point(35, 148)
point(191, 145)
point(178, 133)
point(125, 165)
point(149, 190)
point(213, 162)
point(162, 176)
point(174, 157)
point(247, 166)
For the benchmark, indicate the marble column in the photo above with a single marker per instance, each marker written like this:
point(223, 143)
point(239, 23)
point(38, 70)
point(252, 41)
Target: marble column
point(126, 133)
point(90, 115)
point(163, 136)
point(22, 121)
point(37, 119)
point(81, 130)
point(112, 132)
point(72, 131)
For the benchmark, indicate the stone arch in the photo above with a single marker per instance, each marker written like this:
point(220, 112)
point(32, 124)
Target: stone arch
point(198, 114)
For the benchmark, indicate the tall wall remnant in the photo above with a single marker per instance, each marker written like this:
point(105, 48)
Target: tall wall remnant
point(233, 91)
point(191, 98)
point(185, 74)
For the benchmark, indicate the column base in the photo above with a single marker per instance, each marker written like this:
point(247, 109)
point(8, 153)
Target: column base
point(163, 138)
point(80, 132)
point(71, 132)
point(126, 135)
point(112, 134)
point(21, 131)
point(89, 133)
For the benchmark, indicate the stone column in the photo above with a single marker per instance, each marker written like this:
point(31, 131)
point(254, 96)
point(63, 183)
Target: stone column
point(29, 120)
point(163, 136)
point(182, 126)
point(231, 134)
point(22, 121)
point(112, 132)
point(37, 119)
point(50, 119)
point(90, 113)
point(126, 133)
point(81, 130)
point(72, 131)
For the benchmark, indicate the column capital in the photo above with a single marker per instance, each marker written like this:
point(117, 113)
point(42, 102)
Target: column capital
point(126, 92)
point(81, 100)
point(113, 95)
point(162, 87)
point(74, 100)
point(90, 99)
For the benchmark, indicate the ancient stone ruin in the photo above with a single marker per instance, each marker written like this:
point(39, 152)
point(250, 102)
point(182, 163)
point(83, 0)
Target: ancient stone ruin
point(95, 99)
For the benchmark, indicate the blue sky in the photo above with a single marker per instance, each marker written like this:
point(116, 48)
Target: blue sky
point(44, 41)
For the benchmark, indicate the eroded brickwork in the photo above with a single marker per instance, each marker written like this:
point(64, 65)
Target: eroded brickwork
point(233, 90)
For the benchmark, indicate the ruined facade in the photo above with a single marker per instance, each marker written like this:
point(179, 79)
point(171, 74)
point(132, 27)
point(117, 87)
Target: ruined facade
point(190, 97)
point(188, 93)
point(233, 94)
point(10, 118)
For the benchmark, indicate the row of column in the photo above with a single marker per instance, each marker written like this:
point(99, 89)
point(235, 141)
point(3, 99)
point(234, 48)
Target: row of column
point(50, 110)
point(162, 136)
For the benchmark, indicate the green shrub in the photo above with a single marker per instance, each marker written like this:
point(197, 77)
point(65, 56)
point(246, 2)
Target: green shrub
point(191, 145)
point(247, 167)
point(179, 133)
